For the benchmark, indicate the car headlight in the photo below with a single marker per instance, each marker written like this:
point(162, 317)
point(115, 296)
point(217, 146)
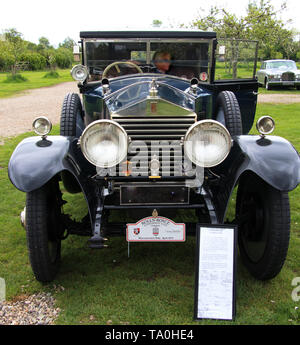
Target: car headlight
point(265, 125)
point(104, 143)
point(79, 73)
point(207, 143)
point(42, 126)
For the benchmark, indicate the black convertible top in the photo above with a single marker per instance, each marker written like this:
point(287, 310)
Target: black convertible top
point(147, 34)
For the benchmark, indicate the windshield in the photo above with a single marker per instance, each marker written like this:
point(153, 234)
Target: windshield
point(188, 59)
point(282, 65)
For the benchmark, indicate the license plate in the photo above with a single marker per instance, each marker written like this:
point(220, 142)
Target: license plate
point(155, 229)
point(287, 83)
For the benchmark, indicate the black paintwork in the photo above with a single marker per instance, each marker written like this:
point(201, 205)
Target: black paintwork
point(147, 34)
point(245, 91)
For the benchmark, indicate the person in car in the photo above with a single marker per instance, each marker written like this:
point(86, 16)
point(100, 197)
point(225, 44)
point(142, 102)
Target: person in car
point(162, 62)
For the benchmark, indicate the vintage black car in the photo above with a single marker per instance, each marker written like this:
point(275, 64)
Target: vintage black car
point(158, 128)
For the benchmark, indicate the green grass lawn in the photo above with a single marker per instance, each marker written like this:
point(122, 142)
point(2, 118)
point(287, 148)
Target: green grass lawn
point(35, 79)
point(279, 90)
point(242, 71)
point(156, 284)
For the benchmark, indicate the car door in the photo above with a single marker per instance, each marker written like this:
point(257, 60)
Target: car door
point(235, 70)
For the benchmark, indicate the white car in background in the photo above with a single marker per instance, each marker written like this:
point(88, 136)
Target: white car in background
point(279, 73)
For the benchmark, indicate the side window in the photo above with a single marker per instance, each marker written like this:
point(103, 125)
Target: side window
point(235, 59)
point(263, 66)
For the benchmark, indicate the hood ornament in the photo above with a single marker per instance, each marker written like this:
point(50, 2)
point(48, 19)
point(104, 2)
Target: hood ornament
point(155, 213)
point(153, 92)
point(153, 96)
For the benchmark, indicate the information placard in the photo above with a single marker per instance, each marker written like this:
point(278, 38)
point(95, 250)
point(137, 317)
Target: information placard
point(155, 229)
point(215, 272)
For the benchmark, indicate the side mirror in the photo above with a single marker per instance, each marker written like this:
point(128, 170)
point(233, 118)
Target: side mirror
point(76, 53)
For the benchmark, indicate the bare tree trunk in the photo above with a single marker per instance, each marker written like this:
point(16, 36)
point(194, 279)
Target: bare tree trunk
point(235, 58)
point(14, 69)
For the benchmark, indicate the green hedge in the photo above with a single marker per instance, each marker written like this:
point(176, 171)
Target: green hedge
point(35, 61)
point(5, 60)
point(63, 58)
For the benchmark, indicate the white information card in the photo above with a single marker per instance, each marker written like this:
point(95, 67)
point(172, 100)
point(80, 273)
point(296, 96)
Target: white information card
point(215, 275)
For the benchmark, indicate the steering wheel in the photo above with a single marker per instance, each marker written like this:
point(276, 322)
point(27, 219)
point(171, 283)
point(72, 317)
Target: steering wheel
point(116, 65)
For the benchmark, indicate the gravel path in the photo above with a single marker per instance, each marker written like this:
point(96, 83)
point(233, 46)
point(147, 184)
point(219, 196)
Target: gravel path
point(279, 98)
point(18, 112)
point(37, 309)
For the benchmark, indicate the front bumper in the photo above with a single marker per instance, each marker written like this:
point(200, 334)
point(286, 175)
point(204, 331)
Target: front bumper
point(284, 83)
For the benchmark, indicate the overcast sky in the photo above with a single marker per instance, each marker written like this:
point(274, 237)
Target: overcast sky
point(58, 19)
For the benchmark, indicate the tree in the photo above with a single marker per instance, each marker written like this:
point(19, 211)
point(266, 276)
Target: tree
point(44, 43)
point(63, 58)
point(68, 43)
point(156, 23)
point(6, 59)
point(15, 47)
point(261, 23)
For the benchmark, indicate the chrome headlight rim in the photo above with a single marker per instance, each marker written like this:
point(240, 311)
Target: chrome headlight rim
point(45, 118)
point(225, 131)
point(258, 127)
point(75, 69)
point(85, 133)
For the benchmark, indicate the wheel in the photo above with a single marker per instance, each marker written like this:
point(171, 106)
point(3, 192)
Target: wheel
point(267, 84)
point(71, 119)
point(263, 215)
point(44, 230)
point(229, 113)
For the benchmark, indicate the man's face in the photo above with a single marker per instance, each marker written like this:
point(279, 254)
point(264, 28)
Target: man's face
point(162, 62)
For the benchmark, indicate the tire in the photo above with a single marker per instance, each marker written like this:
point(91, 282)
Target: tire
point(71, 119)
point(267, 85)
point(263, 215)
point(44, 230)
point(229, 113)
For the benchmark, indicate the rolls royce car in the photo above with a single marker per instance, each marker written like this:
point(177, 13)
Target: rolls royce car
point(279, 73)
point(159, 127)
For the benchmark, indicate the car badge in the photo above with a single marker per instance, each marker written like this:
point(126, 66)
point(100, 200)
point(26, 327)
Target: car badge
point(203, 76)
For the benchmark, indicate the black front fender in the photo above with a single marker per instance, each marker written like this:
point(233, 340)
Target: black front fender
point(272, 158)
point(34, 161)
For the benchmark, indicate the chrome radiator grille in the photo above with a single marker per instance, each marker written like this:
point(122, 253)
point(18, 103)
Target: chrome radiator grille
point(288, 76)
point(156, 138)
